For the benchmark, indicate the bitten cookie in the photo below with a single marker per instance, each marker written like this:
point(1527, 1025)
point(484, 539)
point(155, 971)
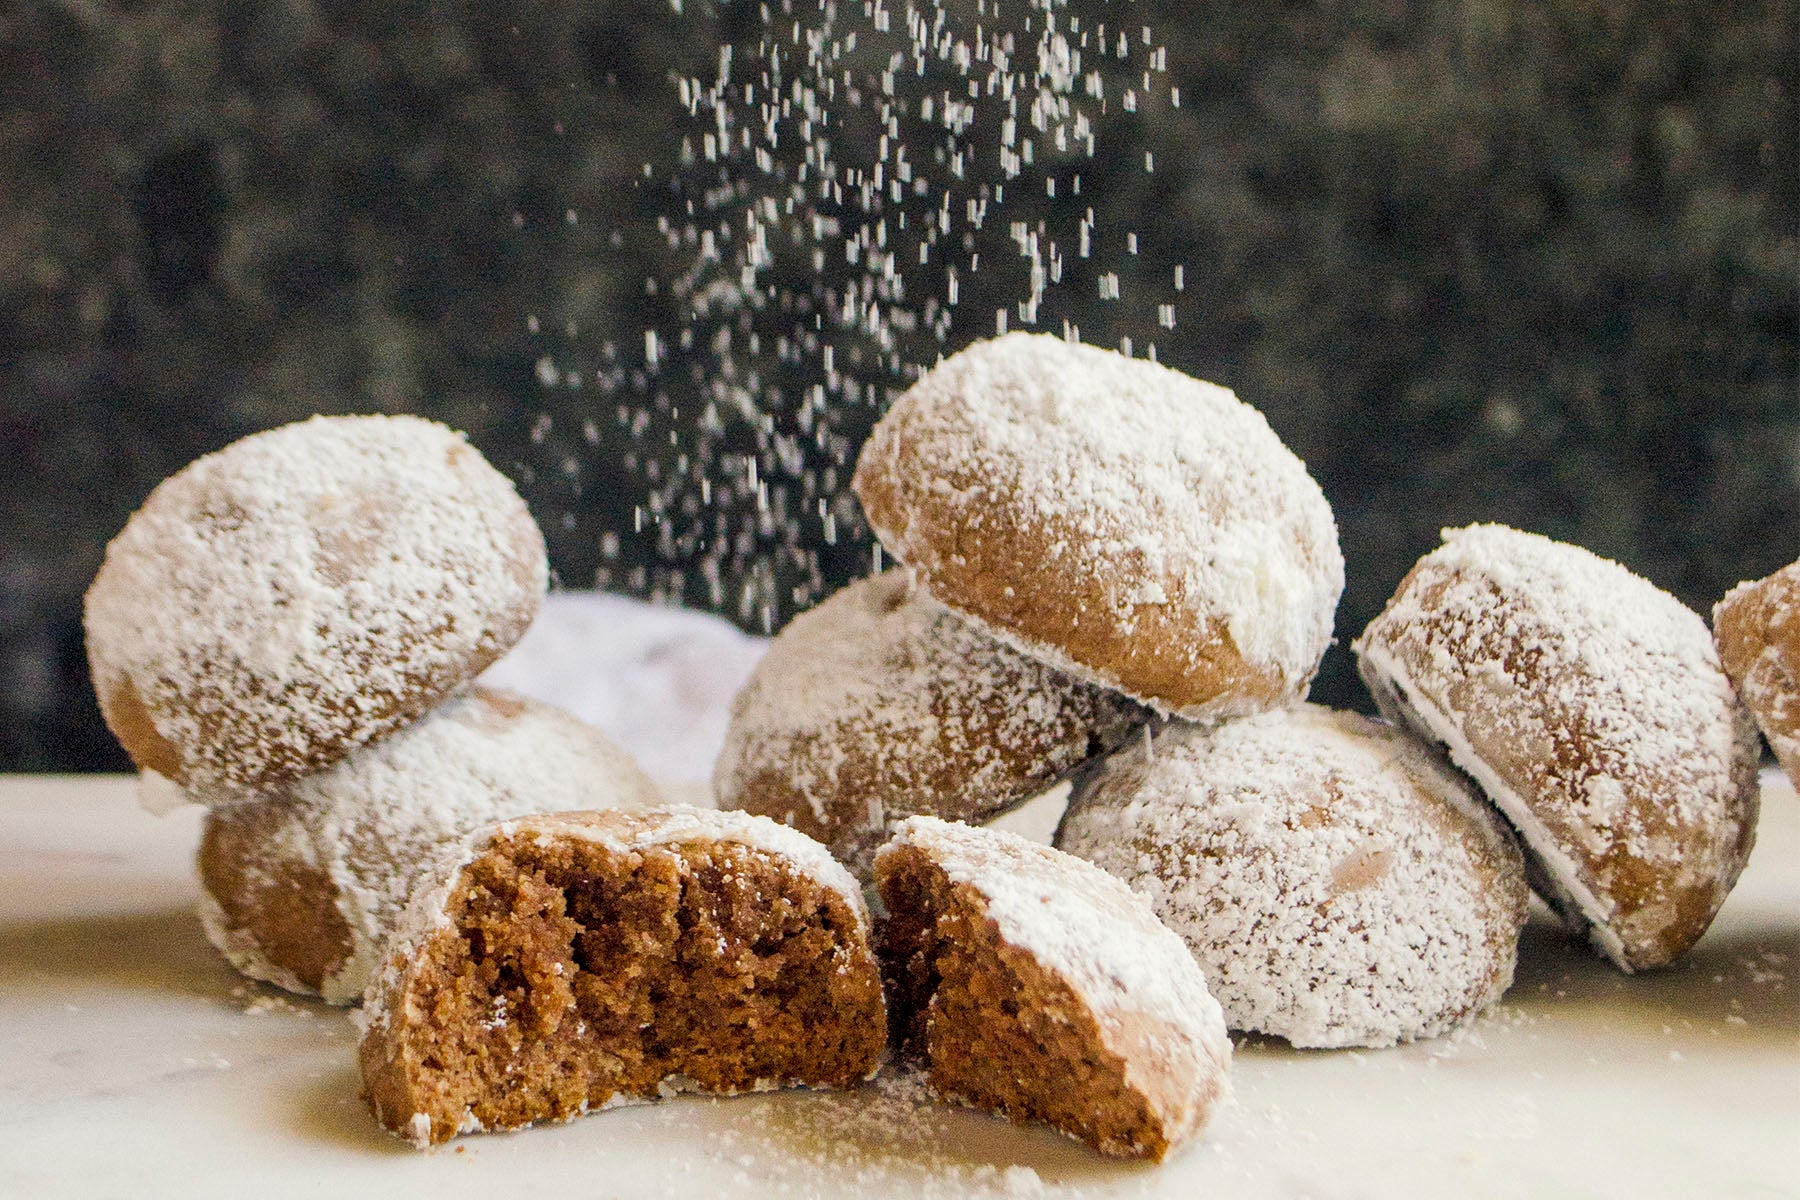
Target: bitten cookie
point(1757, 627)
point(303, 886)
point(880, 704)
point(303, 592)
point(1337, 885)
point(1130, 525)
point(1035, 986)
point(564, 964)
point(1592, 710)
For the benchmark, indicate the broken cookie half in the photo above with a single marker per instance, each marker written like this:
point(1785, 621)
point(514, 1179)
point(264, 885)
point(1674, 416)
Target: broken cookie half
point(578, 961)
point(1035, 985)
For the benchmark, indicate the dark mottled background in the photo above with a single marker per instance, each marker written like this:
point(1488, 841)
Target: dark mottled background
point(1476, 259)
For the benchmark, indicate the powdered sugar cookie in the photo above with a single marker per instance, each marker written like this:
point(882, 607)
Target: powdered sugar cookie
point(1757, 627)
point(1338, 886)
point(303, 886)
point(880, 704)
point(1591, 708)
point(563, 964)
point(303, 592)
point(1124, 522)
point(1036, 986)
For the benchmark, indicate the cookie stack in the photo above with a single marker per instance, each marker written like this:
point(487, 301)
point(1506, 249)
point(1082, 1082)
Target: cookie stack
point(1094, 546)
point(286, 632)
point(1089, 541)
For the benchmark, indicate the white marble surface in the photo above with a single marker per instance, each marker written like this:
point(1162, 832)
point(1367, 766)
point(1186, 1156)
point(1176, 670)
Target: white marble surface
point(134, 1063)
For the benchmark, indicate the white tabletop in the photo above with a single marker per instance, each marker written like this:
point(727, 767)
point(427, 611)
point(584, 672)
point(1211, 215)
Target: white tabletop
point(134, 1062)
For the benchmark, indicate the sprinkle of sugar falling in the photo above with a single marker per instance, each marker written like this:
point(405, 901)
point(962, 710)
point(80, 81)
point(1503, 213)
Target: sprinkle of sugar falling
point(848, 178)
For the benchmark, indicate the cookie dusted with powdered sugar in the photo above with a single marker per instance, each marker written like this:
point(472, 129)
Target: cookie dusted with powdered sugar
point(303, 886)
point(1757, 628)
point(1036, 986)
point(1591, 708)
point(1133, 526)
point(303, 592)
point(1338, 885)
point(562, 964)
point(880, 704)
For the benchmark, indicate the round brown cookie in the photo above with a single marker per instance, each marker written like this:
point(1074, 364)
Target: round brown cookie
point(1124, 522)
point(880, 704)
point(303, 886)
point(1338, 885)
point(1036, 986)
point(1592, 710)
point(561, 964)
point(1757, 627)
point(302, 592)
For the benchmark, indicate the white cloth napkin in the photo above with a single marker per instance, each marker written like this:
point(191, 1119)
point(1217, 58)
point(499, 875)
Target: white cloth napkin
point(657, 680)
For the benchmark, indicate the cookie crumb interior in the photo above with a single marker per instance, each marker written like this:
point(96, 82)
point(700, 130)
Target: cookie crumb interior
point(993, 1027)
point(573, 975)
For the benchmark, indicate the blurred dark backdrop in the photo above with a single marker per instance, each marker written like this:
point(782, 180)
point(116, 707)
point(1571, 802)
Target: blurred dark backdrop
point(1476, 259)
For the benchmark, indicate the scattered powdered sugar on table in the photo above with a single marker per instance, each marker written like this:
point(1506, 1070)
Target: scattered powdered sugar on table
point(293, 594)
point(891, 1138)
point(1593, 709)
point(1153, 479)
point(657, 679)
point(1319, 869)
point(259, 1001)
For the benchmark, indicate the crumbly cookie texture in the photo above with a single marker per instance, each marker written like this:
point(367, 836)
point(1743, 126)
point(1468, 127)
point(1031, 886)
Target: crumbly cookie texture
point(568, 963)
point(881, 704)
point(1757, 628)
point(302, 592)
point(1592, 709)
point(1036, 986)
point(303, 886)
point(1126, 523)
point(1338, 885)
